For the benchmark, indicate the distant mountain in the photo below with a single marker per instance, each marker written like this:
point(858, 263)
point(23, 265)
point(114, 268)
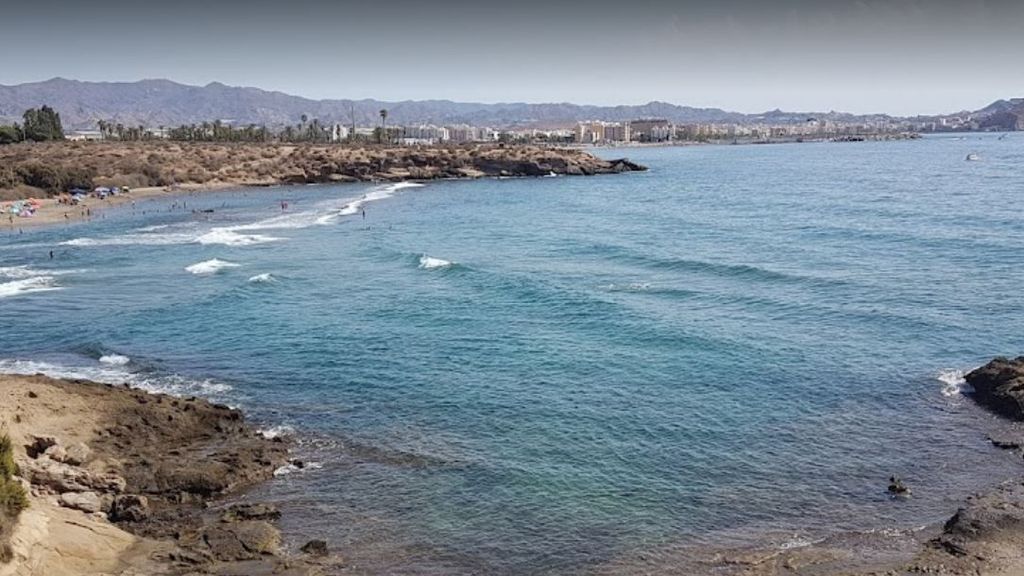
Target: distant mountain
point(154, 103)
point(1005, 115)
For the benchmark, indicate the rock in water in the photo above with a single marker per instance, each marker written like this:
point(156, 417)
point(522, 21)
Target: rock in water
point(897, 487)
point(315, 548)
point(999, 385)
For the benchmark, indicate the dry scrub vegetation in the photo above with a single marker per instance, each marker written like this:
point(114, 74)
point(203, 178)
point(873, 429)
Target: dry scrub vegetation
point(53, 167)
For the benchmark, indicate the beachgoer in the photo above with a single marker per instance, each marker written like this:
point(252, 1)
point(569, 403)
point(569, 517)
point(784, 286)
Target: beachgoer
point(364, 213)
point(51, 254)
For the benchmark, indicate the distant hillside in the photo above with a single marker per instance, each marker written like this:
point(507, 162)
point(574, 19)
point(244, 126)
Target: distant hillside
point(155, 103)
point(1005, 115)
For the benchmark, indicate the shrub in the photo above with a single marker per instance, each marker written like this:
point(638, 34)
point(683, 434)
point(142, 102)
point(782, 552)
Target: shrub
point(12, 496)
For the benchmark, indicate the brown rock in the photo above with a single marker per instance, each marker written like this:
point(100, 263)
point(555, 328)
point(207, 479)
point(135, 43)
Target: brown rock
point(315, 548)
point(84, 501)
point(129, 508)
point(240, 512)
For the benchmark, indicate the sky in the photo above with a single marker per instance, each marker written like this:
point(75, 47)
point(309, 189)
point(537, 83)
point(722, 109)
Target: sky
point(899, 57)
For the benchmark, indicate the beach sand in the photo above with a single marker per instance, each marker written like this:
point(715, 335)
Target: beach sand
point(51, 212)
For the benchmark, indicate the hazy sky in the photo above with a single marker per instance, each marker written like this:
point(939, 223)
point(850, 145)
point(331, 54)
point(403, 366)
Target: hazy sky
point(895, 56)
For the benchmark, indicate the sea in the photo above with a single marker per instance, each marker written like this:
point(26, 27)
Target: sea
point(567, 375)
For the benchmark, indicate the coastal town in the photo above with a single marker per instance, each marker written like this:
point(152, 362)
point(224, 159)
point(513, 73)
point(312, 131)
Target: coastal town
point(591, 132)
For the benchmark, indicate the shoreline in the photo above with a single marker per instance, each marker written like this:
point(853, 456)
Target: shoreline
point(986, 535)
point(156, 169)
point(127, 482)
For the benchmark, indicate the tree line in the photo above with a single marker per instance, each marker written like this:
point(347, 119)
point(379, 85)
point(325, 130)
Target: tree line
point(39, 125)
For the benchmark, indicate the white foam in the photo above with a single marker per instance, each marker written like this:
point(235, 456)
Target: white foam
point(429, 263)
point(229, 237)
point(114, 359)
point(276, 431)
point(292, 468)
point(28, 286)
point(168, 239)
point(355, 206)
point(264, 278)
point(172, 384)
point(953, 382)
point(211, 266)
point(20, 272)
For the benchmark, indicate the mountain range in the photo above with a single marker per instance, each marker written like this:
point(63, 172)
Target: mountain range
point(154, 103)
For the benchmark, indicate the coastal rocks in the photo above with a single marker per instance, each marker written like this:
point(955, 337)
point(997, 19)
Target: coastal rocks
point(59, 477)
point(243, 540)
point(239, 512)
point(994, 519)
point(84, 501)
point(129, 508)
point(999, 386)
point(315, 548)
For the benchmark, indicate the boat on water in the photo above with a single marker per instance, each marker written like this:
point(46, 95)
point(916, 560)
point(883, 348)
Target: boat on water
point(972, 157)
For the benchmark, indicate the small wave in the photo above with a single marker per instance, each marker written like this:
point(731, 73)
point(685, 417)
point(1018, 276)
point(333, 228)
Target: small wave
point(429, 263)
point(953, 382)
point(265, 278)
point(28, 286)
point(229, 237)
point(211, 266)
point(296, 466)
point(355, 206)
point(276, 431)
point(172, 384)
point(169, 239)
point(21, 272)
point(154, 228)
point(114, 359)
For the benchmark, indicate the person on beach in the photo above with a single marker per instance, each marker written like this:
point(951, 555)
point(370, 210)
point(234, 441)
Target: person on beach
point(364, 213)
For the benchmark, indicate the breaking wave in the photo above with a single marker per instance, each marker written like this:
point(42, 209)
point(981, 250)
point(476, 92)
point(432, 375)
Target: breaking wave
point(28, 286)
point(355, 206)
point(953, 382)
point(211, 266)
point(265, 278)
point(429, 263)
point(114, 359)
point(116, 374)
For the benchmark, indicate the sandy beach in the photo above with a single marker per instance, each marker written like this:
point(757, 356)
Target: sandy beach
point(52, 212)
point(155, 169)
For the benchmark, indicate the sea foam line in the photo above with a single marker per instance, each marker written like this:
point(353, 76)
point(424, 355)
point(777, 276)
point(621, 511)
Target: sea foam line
point(117, 374)
point(28, 286)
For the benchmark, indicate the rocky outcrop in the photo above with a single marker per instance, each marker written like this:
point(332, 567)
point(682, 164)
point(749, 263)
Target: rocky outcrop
point(157, 467)
point(999, 386)
point(141, 164)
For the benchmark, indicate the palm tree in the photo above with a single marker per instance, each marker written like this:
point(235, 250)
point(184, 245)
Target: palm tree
point(383, 123)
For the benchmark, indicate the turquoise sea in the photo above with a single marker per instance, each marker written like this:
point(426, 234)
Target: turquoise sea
point(558, 375)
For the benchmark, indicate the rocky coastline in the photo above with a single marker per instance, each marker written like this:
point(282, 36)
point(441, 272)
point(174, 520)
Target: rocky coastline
point(160, 483)
point(49, 168)
point(122, 481)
